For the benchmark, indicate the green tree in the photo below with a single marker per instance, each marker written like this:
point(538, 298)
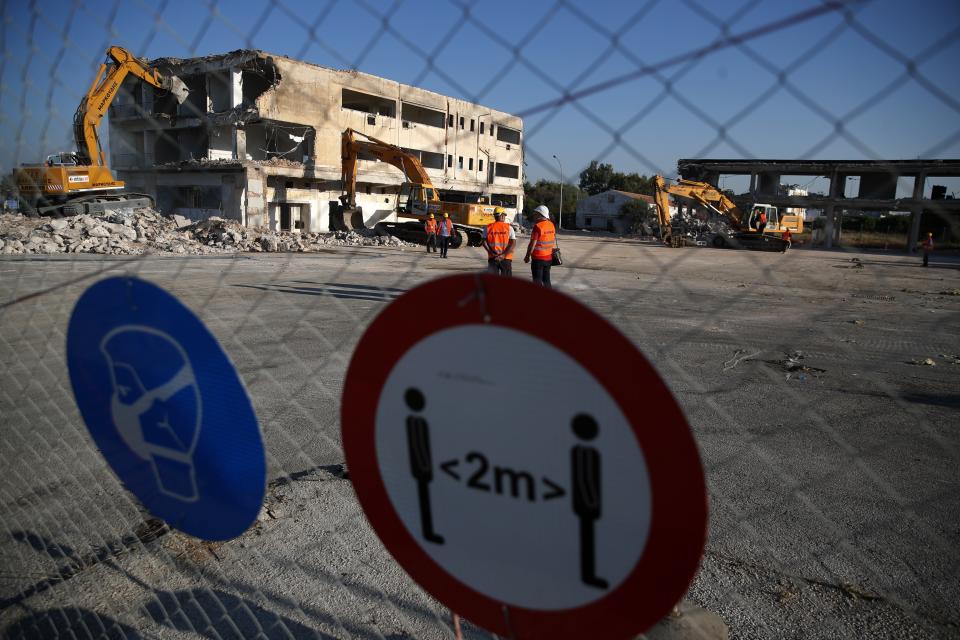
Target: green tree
point(547, 193)
point(600, 177)
point(596, 178)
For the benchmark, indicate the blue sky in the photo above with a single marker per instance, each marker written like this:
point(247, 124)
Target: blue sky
point(515, 56)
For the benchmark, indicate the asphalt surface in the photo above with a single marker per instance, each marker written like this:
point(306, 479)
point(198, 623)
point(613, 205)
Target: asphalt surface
point(832, 476)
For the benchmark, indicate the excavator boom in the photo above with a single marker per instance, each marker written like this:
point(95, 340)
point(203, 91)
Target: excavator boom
point(103, 90)
point(352, 147)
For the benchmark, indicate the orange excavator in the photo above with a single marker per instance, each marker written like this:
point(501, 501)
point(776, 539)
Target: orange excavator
point(417, 199)
point(72, 183)
point(743, 234)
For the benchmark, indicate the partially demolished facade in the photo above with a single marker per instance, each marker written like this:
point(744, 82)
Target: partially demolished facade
point(258, 140)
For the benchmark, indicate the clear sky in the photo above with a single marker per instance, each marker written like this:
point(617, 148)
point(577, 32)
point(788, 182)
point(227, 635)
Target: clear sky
point(885, 70)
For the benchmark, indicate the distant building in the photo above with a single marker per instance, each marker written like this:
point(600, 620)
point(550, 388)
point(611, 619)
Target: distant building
point(602, 210)
point(796, 211)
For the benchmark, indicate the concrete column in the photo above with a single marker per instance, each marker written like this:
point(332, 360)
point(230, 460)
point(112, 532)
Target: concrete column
point(838, 228)
point(768, 184)
point(753, 186)
point(236, 87)
point(239, 144)
point(828, 214)
point(916, 213)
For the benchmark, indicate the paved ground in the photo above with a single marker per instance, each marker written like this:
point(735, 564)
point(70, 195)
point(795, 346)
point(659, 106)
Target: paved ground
point(834, 493)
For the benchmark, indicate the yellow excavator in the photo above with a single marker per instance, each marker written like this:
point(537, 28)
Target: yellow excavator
point(744, 232)
point(417, 199)
point(73, 183)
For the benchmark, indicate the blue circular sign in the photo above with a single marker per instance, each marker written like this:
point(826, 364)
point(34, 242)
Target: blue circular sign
point(166, 408)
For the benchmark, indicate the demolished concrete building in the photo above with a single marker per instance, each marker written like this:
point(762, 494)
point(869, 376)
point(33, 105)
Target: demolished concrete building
point(258, 140)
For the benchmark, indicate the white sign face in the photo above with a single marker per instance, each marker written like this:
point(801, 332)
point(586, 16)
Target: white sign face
point(79, 178)
point(520, 476)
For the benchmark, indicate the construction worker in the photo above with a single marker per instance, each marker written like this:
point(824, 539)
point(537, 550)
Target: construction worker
point(543, 240)
point(430, 227)
point(788, 238)
point(762, 221)
point(445, 232)
point(499, 238)
point(927, 249)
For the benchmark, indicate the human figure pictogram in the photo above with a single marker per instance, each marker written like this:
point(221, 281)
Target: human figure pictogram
point(586, 495)
point(421, 463)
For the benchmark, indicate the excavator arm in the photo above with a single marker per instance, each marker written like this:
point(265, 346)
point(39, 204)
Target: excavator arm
point(351, 148)
point(94, 105)
point(701, 192)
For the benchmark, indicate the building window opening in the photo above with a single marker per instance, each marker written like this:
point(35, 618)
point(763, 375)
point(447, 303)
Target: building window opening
point(368, 103)
point(422, 115)
point(450, 120)
point(481, 127)
point(471, 124)
point(460, 162)
point(449, 160)
point(480, 164)
point(461, 122)
point(510, 136)
point(470, 164)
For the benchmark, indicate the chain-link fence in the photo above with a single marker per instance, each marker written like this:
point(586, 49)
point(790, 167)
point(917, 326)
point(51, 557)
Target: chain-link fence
point(821, 385)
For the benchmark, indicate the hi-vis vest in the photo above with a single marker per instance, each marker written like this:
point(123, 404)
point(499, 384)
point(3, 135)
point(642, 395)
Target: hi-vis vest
point(498, 237)
point(546, 240)
point(430, 226)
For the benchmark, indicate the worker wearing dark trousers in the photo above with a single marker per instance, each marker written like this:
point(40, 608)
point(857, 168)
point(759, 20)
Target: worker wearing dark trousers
point(444, 234)
point(430, 227)
point(762, 222)
point(543, 240)
point(927, 249)
point(499, 239)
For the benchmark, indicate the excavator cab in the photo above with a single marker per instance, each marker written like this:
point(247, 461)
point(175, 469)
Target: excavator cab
point(414, 200)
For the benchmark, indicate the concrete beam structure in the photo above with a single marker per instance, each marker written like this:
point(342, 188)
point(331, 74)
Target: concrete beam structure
point(260, 133)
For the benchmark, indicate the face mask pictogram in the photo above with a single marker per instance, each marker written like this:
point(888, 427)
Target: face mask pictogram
point(156, 405)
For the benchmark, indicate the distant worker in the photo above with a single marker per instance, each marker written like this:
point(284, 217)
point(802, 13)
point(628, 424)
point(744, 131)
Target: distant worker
point(927, 249)
point(430, 227)
point(446, 233)
point(499, 239)
point(762, 221)
point(787, 237)
point(543, 240)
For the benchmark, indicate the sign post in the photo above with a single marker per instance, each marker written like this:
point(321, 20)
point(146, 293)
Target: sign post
point(536, 476)
point(166, 408)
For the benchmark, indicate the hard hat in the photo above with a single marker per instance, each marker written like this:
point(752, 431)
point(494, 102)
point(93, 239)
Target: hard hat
point(542, 211)
point(446, 215)
point(930, 233)
point(430, 216)
point(498, 211)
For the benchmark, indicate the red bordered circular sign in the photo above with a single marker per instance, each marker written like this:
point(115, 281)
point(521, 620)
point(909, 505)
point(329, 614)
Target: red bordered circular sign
point(522, 460)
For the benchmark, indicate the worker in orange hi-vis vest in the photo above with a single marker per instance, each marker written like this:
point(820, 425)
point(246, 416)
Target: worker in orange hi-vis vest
point(788, 238)
point(430, 226)
point(927, 249)
point(499, 238)
point(762, 221)
point(543, 240)
point(445, 233)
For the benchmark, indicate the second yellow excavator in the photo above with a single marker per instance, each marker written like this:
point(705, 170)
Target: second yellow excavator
point(417, 199)
point(744, 230)
point(73, 183)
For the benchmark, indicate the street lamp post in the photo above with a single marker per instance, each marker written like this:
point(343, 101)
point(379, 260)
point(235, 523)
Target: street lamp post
point(560, 210)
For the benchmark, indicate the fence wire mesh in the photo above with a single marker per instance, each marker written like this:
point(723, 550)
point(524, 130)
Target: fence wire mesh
point(820, 385)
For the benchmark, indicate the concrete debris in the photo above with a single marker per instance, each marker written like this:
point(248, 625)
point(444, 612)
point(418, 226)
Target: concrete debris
point(793, 363)
point(950, 292)
point(857, 322)
point(951, 358)
point(923, 362)
point(134, 232)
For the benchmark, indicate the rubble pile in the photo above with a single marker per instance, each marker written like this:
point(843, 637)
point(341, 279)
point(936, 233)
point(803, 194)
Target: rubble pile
point(138, 231)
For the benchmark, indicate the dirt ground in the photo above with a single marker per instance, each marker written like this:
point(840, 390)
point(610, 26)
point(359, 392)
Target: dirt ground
point(821, 386)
